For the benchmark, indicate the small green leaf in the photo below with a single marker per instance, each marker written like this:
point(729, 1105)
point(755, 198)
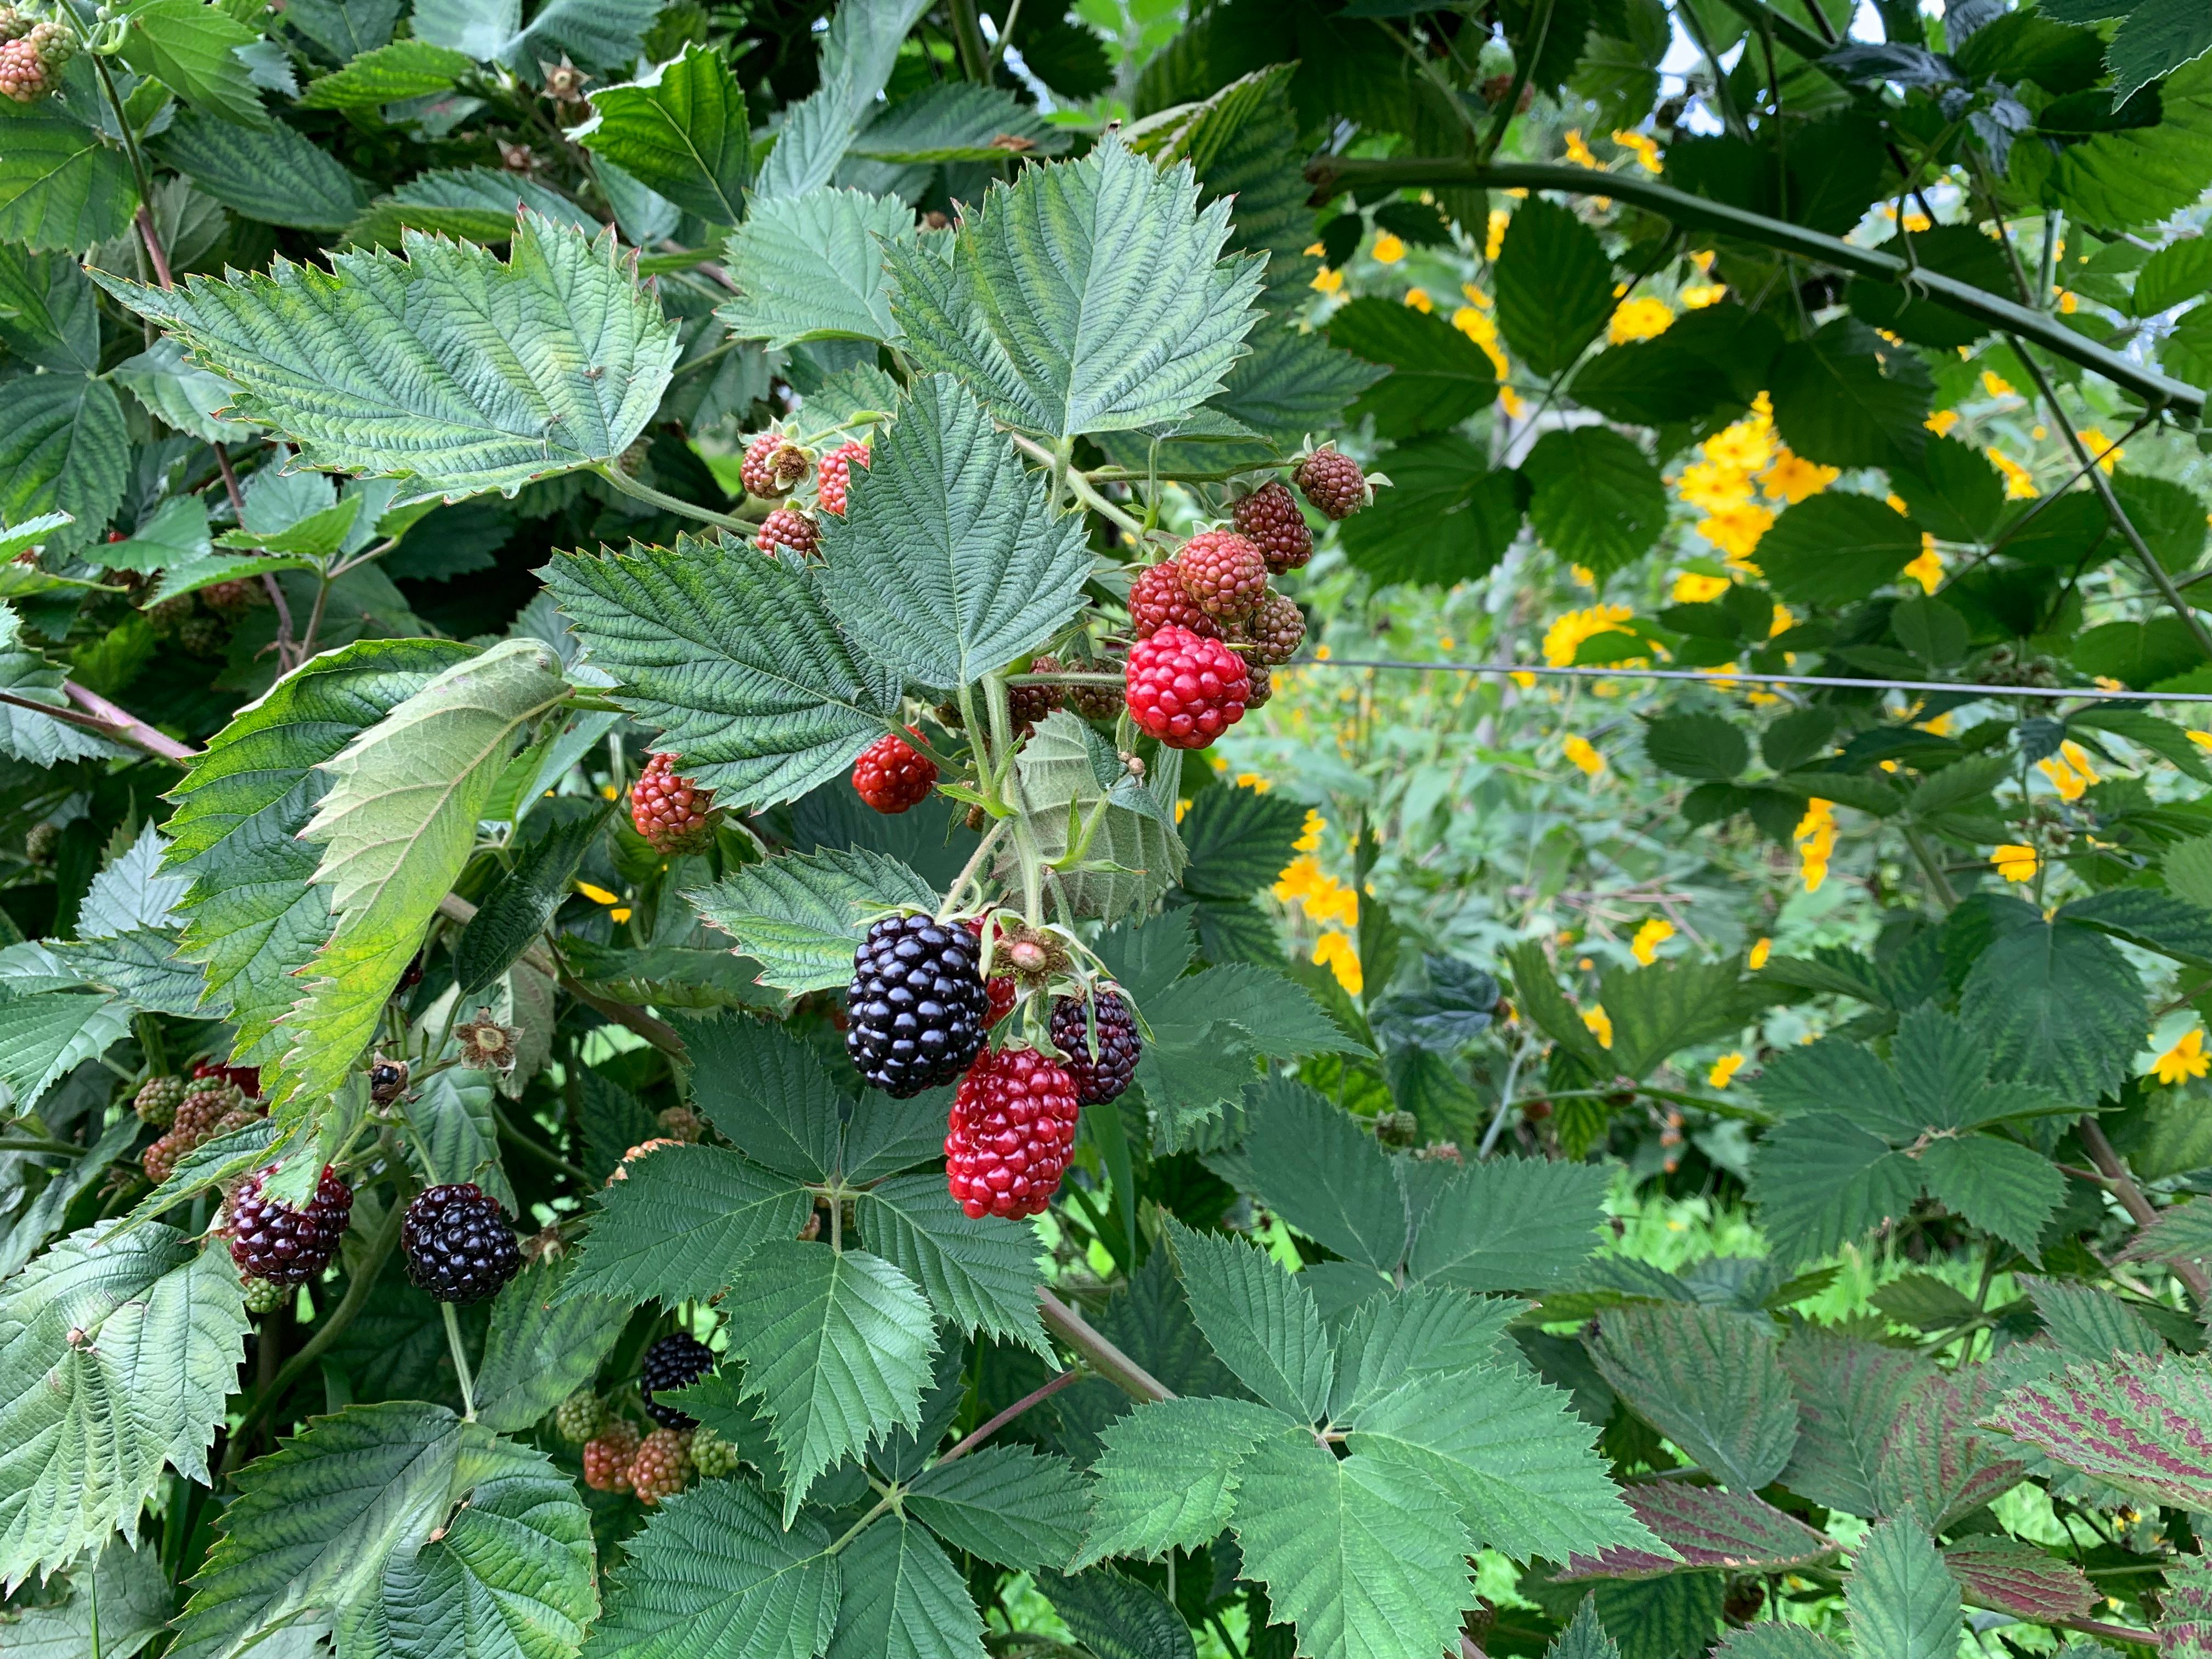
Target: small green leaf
point(1900, 1600)
point(1421, 1331)
point(520, 907)
point(1168, 1477)
point(1447, 517)
point(1843, 398)
point(63, 186)
point(1849, 1396)
point(1326, 1175)
point(1438, 375)
point(679, 1223)
point(1554, 287)
point(388, 75)
point(65, 450)
point(1260, 1320)
point(812, 268)
point(1696, 746)
point(802, 915)
point(1597, 500)
point(191, 47)
point(1821, 1181)
point(1833, 549)
point(980, 1275)
point(903, 1599)
point(275, 174)
point(1060, 770)
point(1708, 1379)
point(681, 129)
point(1007, 1503)
point(2057, 1002)
point(1510, 1224)
point(712, 1571)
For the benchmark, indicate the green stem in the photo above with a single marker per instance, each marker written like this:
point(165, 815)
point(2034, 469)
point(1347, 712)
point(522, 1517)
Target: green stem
point(544, 1154)
point(1523, 63)
point(460, 1361)
point(1377, 173)
point(646, 493)
point(1923, 855)
point(968, 37)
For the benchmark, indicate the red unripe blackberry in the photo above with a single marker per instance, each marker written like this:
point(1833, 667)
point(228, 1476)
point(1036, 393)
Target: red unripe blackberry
point(246, 1079)
point(1277, 629)
point(999, 990)
point(674, 1361)
point(1101, 1077)
point(270, 1240)
point(892, 775)
point(915, 1009)
point(1332, 481)
point(1027, 704)
point(157, 1100)
point(1011, 1132)
point(206, 1102)
point(772, 465)
point(787, 529)
point(459, 1244)
point(607, 1457)
point(31, 66)
point(1269, 518)
point(232, 598)
point(1158, 599)
point(834, 476)
point(673, 813)
point(662, 1467)
point(1184, 690)
point(1224, 573)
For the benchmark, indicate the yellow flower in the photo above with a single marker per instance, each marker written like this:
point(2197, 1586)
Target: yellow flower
point(2201, 740)
point(597, 895)
point(1736, 530)
point(1579, 153)
point(1419, 299)
point(1895, 503)
point(1747, 445)
point(1704, 260)
point(1781, 623)
point(620, 913)
point(2069, 771)
point(2186, 1060)
point(1328, 281)
point(1254, 782)
point(1793, 477)
point(1995, 385)
point(1601, 1025)
point(1479, 328)
point(1334, 903)
point(1690, 588)
point(608, 791)
point(1640, 319)
point(1938, 727)
point(1643, 146)
point(2108, 452)
point(1334, 952)
point(1714, 486)
point(1183, 806)
point(1494, 233)
point(1316, 251)
point(2019, 482)
point(1579, 750)
point(2069, 303)
point(1917, 222)
point(1928, 569)
point(1644, 947)
point(1565, 637)
point(1526, 681)
point(1759, 953)
point(1816, 840)
point(1309, 835)
point(1582, 574)
point(1515, 404)
point(1941, 422)
point(1387, 250)
point(1724, 1071)
point(2015, 862)
point(1698, 295)
point(1299, 877)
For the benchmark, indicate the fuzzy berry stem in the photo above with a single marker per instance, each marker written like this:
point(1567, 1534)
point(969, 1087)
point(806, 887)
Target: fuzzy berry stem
point(1078, 483)
point(461, 1362)
point(645, 492)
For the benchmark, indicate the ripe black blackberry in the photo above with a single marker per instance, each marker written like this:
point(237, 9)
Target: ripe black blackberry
point(270, 1240)
point(1103, 1078)
point(916, 1007)
point(674, 1362)
point(459, 1244)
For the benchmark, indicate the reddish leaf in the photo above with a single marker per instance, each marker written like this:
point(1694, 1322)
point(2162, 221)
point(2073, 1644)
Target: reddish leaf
point(2143, 1424)
point(2185, 1626)
point(1707, 1527)
point(1936, 1461)
point(2020, 1579)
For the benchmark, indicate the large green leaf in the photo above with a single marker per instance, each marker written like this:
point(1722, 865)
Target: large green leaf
point(1901, 1600)
point(1322, 1171)
point(1438, 376)
point(681, 129)
point(2134, 1422)
point(679, 1222)
point(2135, 176)
point(276, 173)
point(1070, 776)
point(1821, 1181)
point(86, 1427)
point(191, 47)
point(1510, 1224)
point(126, 1593)
point(2057, 1001)
point(1261, 1321)
point(768, 1093)
point(1710, 1380)
point(354, 1520)
point(388, 73)
point(812, 268)
point(1088, 296)
point(1835, 548)
point(63, 186)
point(735, 656)
point(1114, 1616)
point(801, 916)
point(446, 368)
point(1554, 287)
point(714, 1572)
point(1708, 1528)
point(836, 1347)
point(1396, 1336)
point(980, 1275)
point(1168, 1477)
point(1447, 517)
point(1597, 500)
point(1007, 1503)
point(949, 559)
point(903, 1599)
point(1849, 1396)
point(46, 1035)
point(52, 315)
point(253, 915)
point(66, 449)
point(396, 827)
point(1840, 400)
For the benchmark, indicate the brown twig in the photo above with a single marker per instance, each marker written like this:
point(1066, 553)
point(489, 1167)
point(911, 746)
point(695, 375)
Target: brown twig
point(104, 716)
point(1109, 1361)
point(2139, 1208)
point(1034, 1396)
point(287, 655)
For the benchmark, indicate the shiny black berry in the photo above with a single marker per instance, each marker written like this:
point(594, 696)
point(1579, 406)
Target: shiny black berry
point(1101, 1077)
point(917, 1007)
point(673, 1362)
point(269, 1239)
point(459, 1244)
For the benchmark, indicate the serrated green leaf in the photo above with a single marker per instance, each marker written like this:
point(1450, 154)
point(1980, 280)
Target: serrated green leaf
point(397, 827)
point(2134, 1423)
point(126, 1591)
point(1258, 1319)
point(1998, 1186)
point(1710, 1380)
point(767, 1092)
point(1238, 841)
point(1421, 1331)
point(1007, 1503)
point(542, 1346)
point(949, 559)
point(551, 360)
point(477, 204)
point(812, 268)
point(1510, 1224)
point(1135, 834)
point(2058, 1004)
point(275, 174)
point(801, 915)
point(1706, 1529)
point(1597, 500)
point(1325, 1175)
point(1834, 549)
point(1837, 400)
point(25, 735)
point(858, 52)
point(678, 1223)
point(1772, 1639)
point(903, 1599)
point(1821, 1181)
point(191, 46)
point(712, 1570)
point(980, 1275)
point(453, 1134)
point(53, 318)
point(252, 914)
point(139, 966)
point(1511, 1454)
point(735, 656)
point(1366, 1557)
point(520, 907)
point(1900, 1600)
point(46, 1035)
point(1133, 323)
point(2136, 176)
point(1849, 1396)
point(389, 73)
point(2089, 1322)
point(63, 187)
point(65, 450)
point(1168, 1477)
point(1438, 376)
point(1554, 287)
point(681, 129)
point(886, 1135)
point(836, 1348)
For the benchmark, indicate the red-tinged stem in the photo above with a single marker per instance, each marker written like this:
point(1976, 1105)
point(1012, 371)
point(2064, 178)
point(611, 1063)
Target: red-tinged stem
point(977, 1436)
point(1109, 1361)
point(120, 723)
point(286, 656)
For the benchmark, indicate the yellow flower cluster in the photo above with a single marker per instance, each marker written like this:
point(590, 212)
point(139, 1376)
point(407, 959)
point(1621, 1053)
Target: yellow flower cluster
point(1816, 840)
point(2015, 862)
point(1565, 637)
point(1327, 902)
point(2069, 771)
point(1579, 152)
point(1494, 233)
point(2019, 482)
point(2186, 1060)
point(1336, 953)
point(1941, 422)
point(1643, 146)
point(1641, 318)
point(1580, 751)
point(1739, 463)
point(1724, 1071)
point(1310, 832)
point(1419, 299)
point(1388, 249)
point(2108, 452)
point(1691, 588)
point(617, 912)
point(1474, 320)
point(1644, 947)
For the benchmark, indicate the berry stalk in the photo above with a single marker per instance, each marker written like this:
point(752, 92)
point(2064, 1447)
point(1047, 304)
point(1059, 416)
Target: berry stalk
point(461, 1362)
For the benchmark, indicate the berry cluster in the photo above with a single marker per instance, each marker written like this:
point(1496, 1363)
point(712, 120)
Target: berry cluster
point(1011, 1133)
point(662, 1467)
point(272, 1240)
point(579, 1418)
point(459, 1244)
point(1185, 689)
point(608, 1454)
point(32, 54)
point(787, 529)
point(773, 464)
point(673, 814)
point(209, 1106)
point(891, 776)
point(157, 1100)
point(916, 1009)
point(1332, 483)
